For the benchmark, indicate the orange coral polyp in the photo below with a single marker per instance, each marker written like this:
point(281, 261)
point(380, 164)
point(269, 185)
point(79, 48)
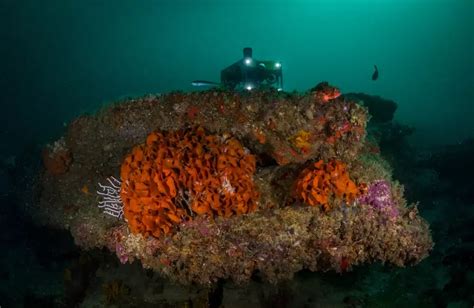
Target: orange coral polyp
point(176, 175)
point(319, 182)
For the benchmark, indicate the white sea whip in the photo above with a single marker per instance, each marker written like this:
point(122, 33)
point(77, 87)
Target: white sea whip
point(111, 203)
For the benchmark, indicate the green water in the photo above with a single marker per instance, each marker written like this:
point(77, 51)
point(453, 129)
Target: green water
point(63, 58)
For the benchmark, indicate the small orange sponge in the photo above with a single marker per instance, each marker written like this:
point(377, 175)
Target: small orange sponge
point(319, 182)
point(57, 158)
point(177, 175)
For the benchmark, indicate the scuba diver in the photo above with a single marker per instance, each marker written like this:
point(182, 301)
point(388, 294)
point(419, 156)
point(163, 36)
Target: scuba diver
point(247, 74)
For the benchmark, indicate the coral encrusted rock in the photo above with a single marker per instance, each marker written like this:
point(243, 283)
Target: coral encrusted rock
point(221, 184)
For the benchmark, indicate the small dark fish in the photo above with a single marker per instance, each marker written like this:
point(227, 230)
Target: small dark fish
point(204, 83)
point(375, 75)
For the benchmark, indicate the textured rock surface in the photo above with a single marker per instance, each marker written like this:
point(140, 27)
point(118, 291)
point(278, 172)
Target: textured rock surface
point(286, 133)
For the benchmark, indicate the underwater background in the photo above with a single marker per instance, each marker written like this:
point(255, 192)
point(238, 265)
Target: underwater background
point(62, 59)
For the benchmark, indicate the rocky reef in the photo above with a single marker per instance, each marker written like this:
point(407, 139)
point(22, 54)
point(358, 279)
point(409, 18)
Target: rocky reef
point(222, 185)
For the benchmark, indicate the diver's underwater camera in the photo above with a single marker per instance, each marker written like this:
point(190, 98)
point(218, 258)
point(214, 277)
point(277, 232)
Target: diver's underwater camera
point(248, 74)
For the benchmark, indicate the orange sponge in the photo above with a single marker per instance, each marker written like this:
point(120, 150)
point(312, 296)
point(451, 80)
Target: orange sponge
point(320, 182)
point(57, 158)
point(177, 175)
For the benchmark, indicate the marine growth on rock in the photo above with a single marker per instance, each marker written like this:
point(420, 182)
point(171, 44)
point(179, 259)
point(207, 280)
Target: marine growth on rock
point(221, 184)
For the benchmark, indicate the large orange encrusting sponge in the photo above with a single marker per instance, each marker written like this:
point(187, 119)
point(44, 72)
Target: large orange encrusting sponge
point(318, 183)
point(177, 175)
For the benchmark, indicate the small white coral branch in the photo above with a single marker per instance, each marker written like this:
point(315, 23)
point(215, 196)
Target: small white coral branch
point(111, 202)
point(226, 186)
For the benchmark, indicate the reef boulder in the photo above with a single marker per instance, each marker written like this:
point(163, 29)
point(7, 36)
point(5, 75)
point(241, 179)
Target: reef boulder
point(219, 184)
